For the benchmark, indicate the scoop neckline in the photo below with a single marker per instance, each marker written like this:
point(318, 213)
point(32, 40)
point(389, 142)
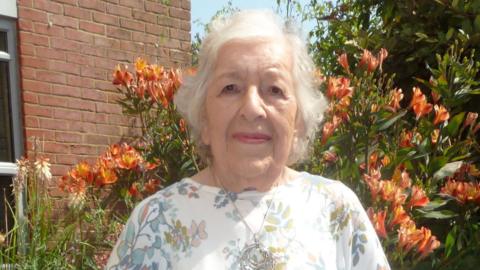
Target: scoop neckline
point(246, 193)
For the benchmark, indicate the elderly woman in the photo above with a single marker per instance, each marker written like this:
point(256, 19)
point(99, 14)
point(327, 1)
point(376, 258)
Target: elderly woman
point(253, 108)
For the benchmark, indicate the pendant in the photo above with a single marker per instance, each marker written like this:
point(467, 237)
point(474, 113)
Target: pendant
point(254, 257)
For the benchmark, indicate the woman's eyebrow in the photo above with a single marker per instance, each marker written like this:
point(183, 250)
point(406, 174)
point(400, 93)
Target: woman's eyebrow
point(228, 75)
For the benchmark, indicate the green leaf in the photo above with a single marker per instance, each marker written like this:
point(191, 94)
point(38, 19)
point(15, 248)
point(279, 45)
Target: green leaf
point(392, 120)
point(437, 163)
point(450, 33)
point(447, 170)
point(442, 214)
point(454, 124)
point(450, 242)
point(434, 205)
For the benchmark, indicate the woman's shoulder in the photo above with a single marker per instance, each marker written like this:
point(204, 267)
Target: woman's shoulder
point(334, 189)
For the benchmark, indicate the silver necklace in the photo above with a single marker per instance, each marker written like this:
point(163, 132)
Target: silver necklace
point(253, 256)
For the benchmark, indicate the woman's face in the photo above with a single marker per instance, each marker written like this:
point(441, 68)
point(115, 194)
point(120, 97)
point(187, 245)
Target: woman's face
point(251, 108)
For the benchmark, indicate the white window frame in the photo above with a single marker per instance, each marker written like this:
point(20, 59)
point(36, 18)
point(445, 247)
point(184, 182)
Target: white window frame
point(8, 25)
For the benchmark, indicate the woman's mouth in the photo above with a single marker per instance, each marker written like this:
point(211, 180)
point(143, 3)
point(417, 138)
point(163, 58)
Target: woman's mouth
point(252, 138)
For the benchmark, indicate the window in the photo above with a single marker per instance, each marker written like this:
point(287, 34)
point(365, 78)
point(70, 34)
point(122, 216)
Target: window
point(11, 141)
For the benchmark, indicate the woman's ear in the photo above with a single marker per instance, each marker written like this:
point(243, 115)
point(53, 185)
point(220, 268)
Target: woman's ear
point(299, 131)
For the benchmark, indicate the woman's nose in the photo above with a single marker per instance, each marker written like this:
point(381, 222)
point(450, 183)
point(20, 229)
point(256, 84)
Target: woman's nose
point(253, 106)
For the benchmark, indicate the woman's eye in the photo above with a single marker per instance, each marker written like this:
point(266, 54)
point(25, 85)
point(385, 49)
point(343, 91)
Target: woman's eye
point(231, 88)
point(276, 90)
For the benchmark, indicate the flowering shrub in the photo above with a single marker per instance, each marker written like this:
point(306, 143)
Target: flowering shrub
point(412, 163)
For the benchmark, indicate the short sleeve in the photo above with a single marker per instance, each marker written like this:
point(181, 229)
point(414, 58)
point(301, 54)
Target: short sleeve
point(366, 251)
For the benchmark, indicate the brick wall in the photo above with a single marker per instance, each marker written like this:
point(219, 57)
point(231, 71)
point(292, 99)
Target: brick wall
point(68, 49)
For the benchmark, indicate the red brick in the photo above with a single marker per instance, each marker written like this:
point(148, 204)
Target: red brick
point(64, 67)
point(137, 47)
point(144, 16)
point(25, 3)
point(185, 25)
point(79, 81)
point(34, 62)
point(33, 39)
point(119, 33)
point(179, 34)
point(83, 150)
point(105, 86)
point(138, 4)
point(106, 19)
point(93, 94)
point(64, 21)
point(64, 44)
point(105, 63)
point(108, 129)
point(58, 170)
point(94, 117)
point(63, 90)
point(175, 3)
point(156, 7)
point(30, 109)
point(25, 25)
point(53, 124)
point(45, 29)
point(156, 51)
point(179, 13)
point(27, 73)
point(82, 105)
point(71, 2)
point(96, 139)
point(36, 86)
point(31, 122)
point(68, 137)
point(50, 100)
point(67, 114)
point(80, 59)
point(157, 30)
point(53, 147)
point(66, 160)
point(29, 97)
point(92, 4)
point(170, 43)
point(124, 12)
point(48, 6)
point(95, 73)
point(108, 108)
point(107, 42)
point(113, 97)
point(121, 56)
point(168, 21)
point(84, 127)
point(147, 38)
point(118, 119)
point(77, 12)
point(27, 49)
point(132, 25)
point(88, 49)
point(78, 36)
point(50, 53)
point(32, 14)
point(44, 135)
point(186, 4)
point(49, 76)
point(92, 27)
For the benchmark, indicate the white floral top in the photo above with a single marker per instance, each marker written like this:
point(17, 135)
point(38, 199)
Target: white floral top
point(312, 223)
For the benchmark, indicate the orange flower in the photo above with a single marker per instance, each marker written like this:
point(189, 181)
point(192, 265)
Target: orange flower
point(343, 60)
point(408, 236)
point(463, 191)
point(121, 77)
point(82, 171)
point(418, 198)
point(327, 131)
point(369, 61)
point(330, 157)
point(373, 182)
point(399, 216)
point(419, 103)
point(396, 95)
point(378, 221)
point(385, 160)
point(434, 136)
point(128, 160)
point(372, 161)
point(72, 185)
point(182, 125)
point(441, 114)
point(152, 186)
point(428, 243)
point(470, 119)
point(140, 65)
point(401, 177)
point(382, 55)
point(406, 138)
point(435, 97)
point(106, 176)
point(133, 191)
